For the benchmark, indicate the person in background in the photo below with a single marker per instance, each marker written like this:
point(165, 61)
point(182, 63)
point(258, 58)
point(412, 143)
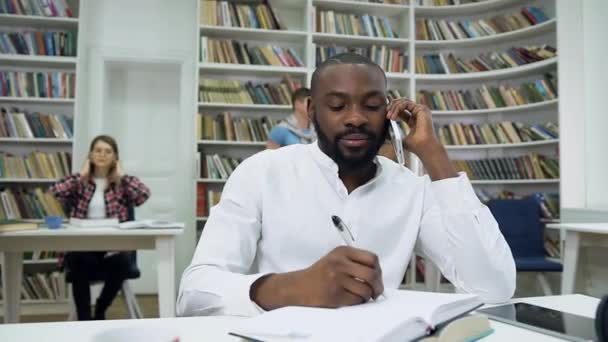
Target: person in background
point(297, 128)
point(100, 190)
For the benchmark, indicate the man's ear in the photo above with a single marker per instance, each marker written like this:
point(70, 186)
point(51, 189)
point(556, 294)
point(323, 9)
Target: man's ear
point(309, 108)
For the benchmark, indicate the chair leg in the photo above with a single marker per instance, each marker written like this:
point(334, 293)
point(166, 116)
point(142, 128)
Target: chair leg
point(131, 301)
point(544, 284)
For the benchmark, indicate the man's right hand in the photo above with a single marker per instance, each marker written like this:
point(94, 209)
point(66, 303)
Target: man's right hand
point(345, 276)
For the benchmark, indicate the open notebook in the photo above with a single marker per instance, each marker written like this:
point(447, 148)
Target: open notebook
point(401, 316)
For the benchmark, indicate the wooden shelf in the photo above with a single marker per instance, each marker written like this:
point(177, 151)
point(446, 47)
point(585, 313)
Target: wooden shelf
point(500, 146)
point(202, 218)
point(38, 61)
point(514, 109)
point(345, 39)
point(38, 22)
point(36, 140)
point(547, 26)
point(251, 70)
point(361, 7)
point(465, 9)
point(232, 143)
point(252, 34)
point(244, 106)
point(515, 181)
point(49, 261)
point(27, 180)
point(211, 181)
point(523, 70)
point(40, 100)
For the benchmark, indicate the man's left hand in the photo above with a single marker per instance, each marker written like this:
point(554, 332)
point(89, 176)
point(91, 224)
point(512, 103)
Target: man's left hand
point(422, 140)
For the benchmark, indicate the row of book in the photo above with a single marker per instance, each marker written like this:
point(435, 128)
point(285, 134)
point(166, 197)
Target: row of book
point(445, 2)
point(44, 286)
point(488, 97)
point(45, 8)
point(28, 203)
point(205, 199)
point(234, 52)
point(515, 56)
point(229, 91)
point(16, 123)
point(234, 14)
point(354, 24)
point(215, 166)
point(389, 59)
point(40, 255)
point(549, 202)
point(41, 43)
point(504, 132)
point(225, 127)
point(531, 166)
point(36, 165)
point(52, 84)
point(432, 29)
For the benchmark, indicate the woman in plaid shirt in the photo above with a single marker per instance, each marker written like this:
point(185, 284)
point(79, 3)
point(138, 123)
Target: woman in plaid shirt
point(100, 190)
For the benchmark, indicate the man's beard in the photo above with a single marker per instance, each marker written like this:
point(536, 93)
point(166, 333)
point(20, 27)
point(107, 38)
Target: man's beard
point(350, 163)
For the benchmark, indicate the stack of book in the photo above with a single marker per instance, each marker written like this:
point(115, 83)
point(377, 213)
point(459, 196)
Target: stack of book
point(234, 52)
point(488, 97)
point(495, 133)
point(217, 167)
point(532, 166)
point(549, 202)
point(205, 199)
point(225, 127)
point(431, 29)
point(44, 286)
point(227, 91)
point(52, 84)
point(31, 203)
point(41, 43)
point(445, 2)
point(516, 56)
point(36, 165)
point(354, 24)
point(46, 8)
point(17, 123)
point(260, 15)
point(389, 59)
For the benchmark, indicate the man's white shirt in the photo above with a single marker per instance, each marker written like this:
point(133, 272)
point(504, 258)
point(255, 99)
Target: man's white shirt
point(275, 216)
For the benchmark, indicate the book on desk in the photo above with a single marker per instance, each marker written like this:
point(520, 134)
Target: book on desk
point(401, 316)
point(112, 222)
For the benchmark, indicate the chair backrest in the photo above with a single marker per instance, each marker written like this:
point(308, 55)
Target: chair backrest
point(519, 222)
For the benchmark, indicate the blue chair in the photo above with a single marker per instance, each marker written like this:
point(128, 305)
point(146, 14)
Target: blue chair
point(519, 222)
point(127, 292)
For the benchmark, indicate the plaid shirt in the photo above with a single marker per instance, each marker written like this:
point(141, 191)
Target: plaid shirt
point(76, 193)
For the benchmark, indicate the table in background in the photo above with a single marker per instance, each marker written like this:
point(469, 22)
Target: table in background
point(13, 244)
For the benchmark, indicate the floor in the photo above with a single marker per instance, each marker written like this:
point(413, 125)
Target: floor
point(118, 310)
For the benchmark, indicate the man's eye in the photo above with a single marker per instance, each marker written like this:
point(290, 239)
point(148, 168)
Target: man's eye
point(336, 108)
point(373, 107)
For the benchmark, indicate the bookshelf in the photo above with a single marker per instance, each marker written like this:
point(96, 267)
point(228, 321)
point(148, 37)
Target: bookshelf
point(301, 21)
point(20, 146)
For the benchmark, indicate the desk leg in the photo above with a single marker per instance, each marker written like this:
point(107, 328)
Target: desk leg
point(165, 249)
point(570, 254)
point(12, 273)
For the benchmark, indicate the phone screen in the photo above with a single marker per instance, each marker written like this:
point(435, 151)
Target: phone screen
point(538, 317)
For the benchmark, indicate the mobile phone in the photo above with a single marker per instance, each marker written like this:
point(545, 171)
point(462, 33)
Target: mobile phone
point(397, 135)
point(546, 321)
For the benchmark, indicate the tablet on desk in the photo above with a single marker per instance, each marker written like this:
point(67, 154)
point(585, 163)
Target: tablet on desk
point(543, 320)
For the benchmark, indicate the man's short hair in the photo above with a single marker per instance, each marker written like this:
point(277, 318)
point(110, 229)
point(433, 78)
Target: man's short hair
point(342, 58)
point(298, 95)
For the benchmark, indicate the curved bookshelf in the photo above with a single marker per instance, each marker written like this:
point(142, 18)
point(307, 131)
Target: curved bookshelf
point(244, 106)
point(232, 143)
point(346, 39)
point(38, 61)
point(252, 33)
point(514, 109)
point(27, 180)
point(499, 146)
point(547, 26)
point(361, 7)
point(36, 140)
point(41, 100)
point(247, 69)
point(523, 70)
point(38, 21)
point(514, 181)
point(474, 7)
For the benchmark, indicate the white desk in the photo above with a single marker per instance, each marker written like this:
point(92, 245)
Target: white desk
point(216, 328)
point(577, 235)
point(13, 244)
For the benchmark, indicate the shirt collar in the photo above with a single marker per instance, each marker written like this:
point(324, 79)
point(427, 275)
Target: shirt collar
point(328, 164)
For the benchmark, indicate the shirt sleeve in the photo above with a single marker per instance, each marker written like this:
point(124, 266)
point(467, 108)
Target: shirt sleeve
point(66, 188)
point(460, 235)
point(218, 280)
point(137, 191)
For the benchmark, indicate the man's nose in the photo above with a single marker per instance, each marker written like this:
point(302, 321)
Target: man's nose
point(355, 117)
